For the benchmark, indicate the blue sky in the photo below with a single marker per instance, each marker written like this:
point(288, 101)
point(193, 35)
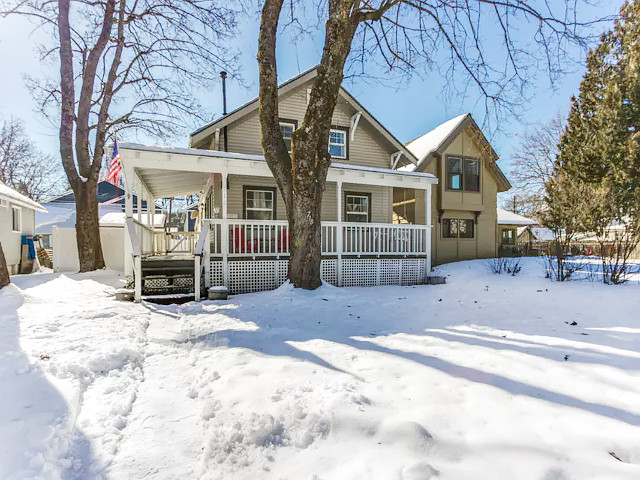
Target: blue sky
point(406, 108)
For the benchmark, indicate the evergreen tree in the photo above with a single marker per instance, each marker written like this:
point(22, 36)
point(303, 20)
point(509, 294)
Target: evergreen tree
point(597, 172)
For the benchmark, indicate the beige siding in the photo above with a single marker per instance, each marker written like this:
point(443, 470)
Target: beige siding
point(368, 147)
point(462, 205)
point(381, 198)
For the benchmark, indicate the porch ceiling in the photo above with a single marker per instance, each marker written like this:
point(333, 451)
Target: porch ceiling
point(169, 183)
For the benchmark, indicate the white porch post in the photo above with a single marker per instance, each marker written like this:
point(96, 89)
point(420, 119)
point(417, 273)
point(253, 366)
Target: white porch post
point(148, 198)
point(196, 278)
point(427, 216)
point(128, 208)
point(339, 233)
point(137, 278)
point(224, 233)
point(139, 191)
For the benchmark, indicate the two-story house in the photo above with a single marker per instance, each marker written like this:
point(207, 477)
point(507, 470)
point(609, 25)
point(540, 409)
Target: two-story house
point(464, 203)
point(382, 205)
point(243, 238)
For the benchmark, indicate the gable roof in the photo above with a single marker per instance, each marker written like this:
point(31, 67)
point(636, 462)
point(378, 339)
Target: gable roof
point(506, 217)
point(432, 144)
point(105, 192)
point(19, 199)
point(291, 84)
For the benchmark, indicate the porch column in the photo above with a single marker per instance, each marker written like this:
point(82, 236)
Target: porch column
point(128, 192)
point(427, 216)
point(128, 208)
point(224, 233)
point(148, 198)
point(339, 233)
point(139, 191)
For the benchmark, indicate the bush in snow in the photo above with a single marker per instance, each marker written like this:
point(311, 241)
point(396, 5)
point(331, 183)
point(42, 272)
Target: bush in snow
point(509, 265)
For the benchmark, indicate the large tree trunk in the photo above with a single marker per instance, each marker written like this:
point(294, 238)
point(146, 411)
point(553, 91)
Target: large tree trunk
point(4, 271)
point(302, 175)
point(87, 227)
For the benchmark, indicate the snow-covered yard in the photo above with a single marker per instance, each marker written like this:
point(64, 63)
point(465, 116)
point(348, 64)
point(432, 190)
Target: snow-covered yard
point(482, 378)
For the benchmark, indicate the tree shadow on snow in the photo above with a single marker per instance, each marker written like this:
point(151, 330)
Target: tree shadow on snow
point(34, 417)
point(274, 339)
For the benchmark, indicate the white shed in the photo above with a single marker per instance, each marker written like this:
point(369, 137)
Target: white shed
point(17, 218)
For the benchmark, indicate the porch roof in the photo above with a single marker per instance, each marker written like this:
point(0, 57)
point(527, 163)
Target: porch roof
point(169, 171)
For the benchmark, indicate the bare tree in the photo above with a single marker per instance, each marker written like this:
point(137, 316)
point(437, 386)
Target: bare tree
point(532, 167)
point(533, 161)
point(123, 64)
point(400, 34)
point(25, 168)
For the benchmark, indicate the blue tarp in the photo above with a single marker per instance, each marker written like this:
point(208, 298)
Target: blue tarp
point(28, 240)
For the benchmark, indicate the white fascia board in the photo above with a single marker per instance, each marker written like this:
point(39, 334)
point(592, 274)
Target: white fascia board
point(255, 165)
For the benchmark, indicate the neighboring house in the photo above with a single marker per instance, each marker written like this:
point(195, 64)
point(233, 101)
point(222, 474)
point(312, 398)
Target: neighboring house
point(112, 239)
point(17, 218)
point(243, 241)
point(535, 235)
point(61, 210)
point(508, 225)
point(464, 202)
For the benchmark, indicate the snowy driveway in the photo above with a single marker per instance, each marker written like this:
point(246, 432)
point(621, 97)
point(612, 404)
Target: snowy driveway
point(484, 377)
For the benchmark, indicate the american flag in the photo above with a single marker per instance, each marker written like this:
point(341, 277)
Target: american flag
point(115, 167)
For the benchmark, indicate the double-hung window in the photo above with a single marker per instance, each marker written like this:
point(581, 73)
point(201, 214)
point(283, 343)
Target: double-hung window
point(16, 219)
point(259, 203)
point(287, 128)
point(357, 207)
point(338, 143)
point(463, 174)
point(457, 228)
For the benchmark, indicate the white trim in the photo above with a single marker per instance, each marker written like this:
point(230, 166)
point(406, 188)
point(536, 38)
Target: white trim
point(293, 129)
point(260, 209)
point(19, 210)
point(343, 145)
point(346, 206)
point(355, 119)
point(4, 203)
point(395, 158)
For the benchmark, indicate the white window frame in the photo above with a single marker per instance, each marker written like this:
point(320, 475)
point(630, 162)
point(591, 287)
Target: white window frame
point(347, 213)
point(293, 129)
point(19, 210)
point(344, 145)
point(260, 209)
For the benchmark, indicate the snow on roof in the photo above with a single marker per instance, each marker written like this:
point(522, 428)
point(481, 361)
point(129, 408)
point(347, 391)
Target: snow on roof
point(428, 143)
point(19, 199)
point(509, 218)
point(118, 219)
point(540, 234)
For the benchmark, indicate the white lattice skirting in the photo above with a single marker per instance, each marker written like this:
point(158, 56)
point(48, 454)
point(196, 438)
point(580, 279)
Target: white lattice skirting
point(257, 275)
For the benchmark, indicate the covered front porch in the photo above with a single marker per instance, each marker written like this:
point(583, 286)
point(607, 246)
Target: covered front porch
point(242, 239)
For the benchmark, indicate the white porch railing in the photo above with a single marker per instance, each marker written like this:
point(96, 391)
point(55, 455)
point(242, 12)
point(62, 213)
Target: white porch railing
point(256, 238)
point(175, 242)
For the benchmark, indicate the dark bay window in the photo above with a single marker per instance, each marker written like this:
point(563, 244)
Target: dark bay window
point(338, 143)
point(259, 203)
point(287, 128)
point(454, 173)
point(463, 174)
point(471, 175)
point(457, 228)
point(357, 207)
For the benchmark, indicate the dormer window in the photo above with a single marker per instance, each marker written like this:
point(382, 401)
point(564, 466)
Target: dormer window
point(338, 143)
point(463, 174)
